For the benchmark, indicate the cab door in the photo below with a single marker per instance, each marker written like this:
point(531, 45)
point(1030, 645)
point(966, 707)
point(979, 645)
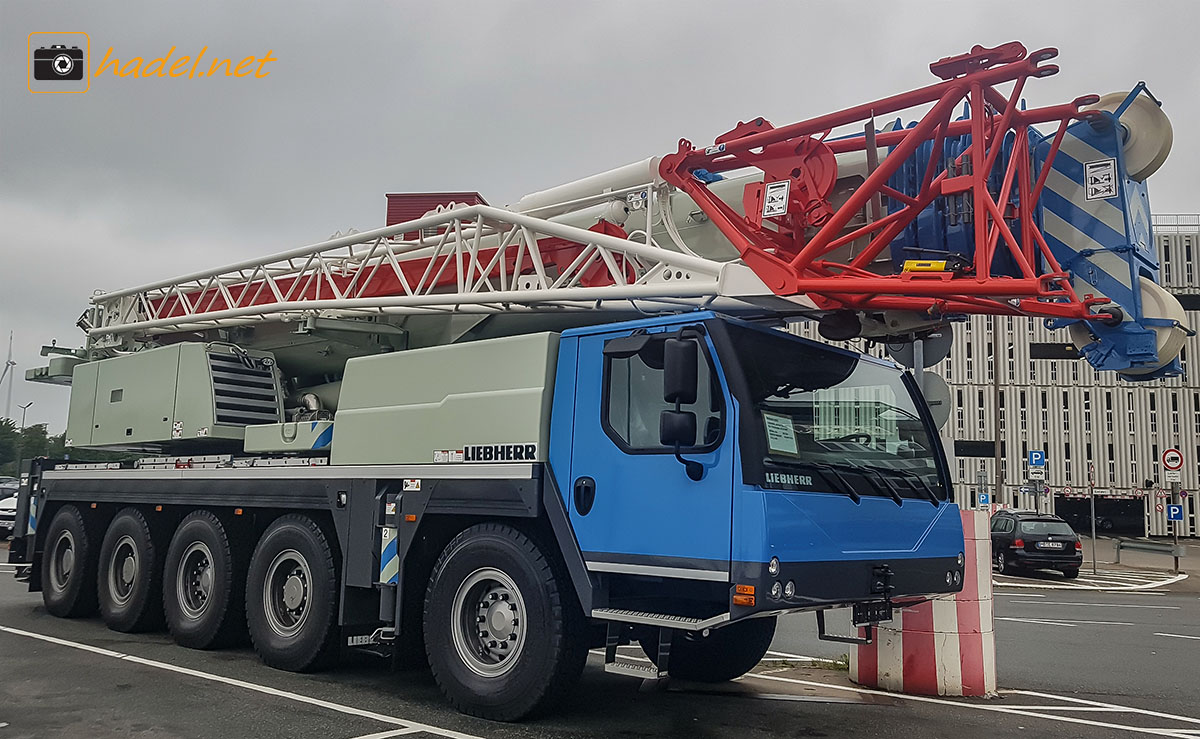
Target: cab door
point(632, 504)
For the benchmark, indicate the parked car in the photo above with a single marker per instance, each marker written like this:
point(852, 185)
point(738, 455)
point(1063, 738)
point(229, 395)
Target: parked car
point(8, 515)
point(1032, 540)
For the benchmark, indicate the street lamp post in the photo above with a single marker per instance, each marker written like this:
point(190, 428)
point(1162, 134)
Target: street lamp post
point(20, 434)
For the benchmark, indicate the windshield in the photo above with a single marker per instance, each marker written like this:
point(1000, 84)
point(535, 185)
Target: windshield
point(1046, 527)
point(826, 420)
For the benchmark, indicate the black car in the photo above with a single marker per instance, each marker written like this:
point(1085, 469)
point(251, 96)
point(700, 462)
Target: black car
point(1032, 540)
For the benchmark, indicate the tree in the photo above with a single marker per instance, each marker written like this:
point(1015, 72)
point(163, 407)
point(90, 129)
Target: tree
point(8, 446)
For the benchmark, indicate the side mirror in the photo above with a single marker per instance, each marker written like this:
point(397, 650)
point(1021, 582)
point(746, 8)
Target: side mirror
point(677, 429)
point(681, 374)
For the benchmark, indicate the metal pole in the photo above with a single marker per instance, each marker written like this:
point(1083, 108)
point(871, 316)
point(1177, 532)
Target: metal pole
point(1092, 501)
point(1175, 524)
point(995, 359)
point(919, 364)
point(20, 434)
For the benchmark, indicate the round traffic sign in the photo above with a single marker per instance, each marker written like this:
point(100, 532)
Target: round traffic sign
point(1172, 459)
point(1183, 494)
point(1160, 508)
point(1067, 490)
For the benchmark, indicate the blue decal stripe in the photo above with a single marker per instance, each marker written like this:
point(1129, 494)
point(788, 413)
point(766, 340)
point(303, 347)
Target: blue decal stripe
point(389, 562)
point(324, 439)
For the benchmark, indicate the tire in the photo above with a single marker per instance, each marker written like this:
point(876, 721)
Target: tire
point(129, 577)
point(495, 573)
point(292, 596)
point(203, 580)
point(1002, 564)
point(69, 566)
point(726, 653)
point(1071, 573)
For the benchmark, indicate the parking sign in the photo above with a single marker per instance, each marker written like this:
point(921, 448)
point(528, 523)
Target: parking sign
point(1037, 458)
point(1174, 512)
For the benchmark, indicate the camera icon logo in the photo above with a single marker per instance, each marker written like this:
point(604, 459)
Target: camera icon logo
point(60, 64)
point(57, 62)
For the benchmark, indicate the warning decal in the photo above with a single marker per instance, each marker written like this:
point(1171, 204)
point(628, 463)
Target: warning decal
point(1100, 179)
point(775, 201)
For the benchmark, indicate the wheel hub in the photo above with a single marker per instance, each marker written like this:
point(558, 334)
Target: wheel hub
point(194, 583)
point(286, 593)
point(123, 570)
point(62, 561)
point(293, 592)
point(489, 633)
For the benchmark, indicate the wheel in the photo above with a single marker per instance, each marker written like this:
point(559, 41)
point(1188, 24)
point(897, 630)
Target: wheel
point(726, 653)
point(291, 596)
point(504, 632)
point(129, 578)
point(1071, 573)
point(1002, 564)
point(69, 566)
point(202, 584)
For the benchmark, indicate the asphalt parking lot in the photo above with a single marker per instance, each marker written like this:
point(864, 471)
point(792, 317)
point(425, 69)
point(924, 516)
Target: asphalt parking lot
point(64, 678)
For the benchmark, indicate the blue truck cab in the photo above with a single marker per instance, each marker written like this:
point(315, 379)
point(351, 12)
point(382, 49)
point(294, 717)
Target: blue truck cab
point(719, 467)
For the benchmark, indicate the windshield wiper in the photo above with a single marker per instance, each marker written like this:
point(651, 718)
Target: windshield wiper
point(867, 472)
point(831, 469)
point(925, 489)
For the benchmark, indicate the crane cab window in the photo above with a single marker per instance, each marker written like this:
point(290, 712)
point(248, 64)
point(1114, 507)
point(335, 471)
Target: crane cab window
point(634, 399)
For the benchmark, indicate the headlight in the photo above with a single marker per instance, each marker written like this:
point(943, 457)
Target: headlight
point(949, 577)
point(961, 559)
point(789, 590)
point(773, 566)
point(776, 590)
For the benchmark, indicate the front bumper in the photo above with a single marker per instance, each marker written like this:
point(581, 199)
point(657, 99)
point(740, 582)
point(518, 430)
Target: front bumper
point(842, 583)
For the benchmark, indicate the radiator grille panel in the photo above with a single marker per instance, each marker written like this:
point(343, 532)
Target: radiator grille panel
point(244, 395)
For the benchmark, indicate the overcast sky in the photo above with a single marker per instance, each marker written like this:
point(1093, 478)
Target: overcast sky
point(138, 180)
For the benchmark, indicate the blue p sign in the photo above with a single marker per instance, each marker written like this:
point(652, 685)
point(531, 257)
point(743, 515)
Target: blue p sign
point(1037, 458)
point(984, 499)
point(1174, 512)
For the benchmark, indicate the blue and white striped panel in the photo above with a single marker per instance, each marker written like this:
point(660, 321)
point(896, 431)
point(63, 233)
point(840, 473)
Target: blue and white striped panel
point(33, 506)
point(389, 556)
point(1074, 224)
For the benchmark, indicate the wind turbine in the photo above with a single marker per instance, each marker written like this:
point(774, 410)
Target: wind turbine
point(7, 372)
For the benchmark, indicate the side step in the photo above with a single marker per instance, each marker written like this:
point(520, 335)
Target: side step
point(824, 635)
point(662, 620)
point(656, 670)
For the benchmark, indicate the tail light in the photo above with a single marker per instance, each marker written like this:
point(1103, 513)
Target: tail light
point(1078, 545)
point(1018, 543)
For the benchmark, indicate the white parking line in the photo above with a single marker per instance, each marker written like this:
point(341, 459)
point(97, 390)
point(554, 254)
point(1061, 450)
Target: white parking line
point(405, 724)
point(797, 657)
point(1096, 605)
point(1178, 733)
point(1063, 621)
point(1177, 636)
point(389, 734)
point(1101, 704)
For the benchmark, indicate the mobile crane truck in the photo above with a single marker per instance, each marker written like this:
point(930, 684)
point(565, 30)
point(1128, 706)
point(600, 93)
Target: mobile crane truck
point(495, 438)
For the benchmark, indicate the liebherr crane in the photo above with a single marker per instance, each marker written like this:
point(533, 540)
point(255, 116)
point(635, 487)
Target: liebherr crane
point(491, 438)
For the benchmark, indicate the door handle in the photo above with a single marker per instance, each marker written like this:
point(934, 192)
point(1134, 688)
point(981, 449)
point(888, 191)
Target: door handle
point(585, 495)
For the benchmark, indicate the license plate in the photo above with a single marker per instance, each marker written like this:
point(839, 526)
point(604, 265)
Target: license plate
point(872, 613)
point(1050, 545)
